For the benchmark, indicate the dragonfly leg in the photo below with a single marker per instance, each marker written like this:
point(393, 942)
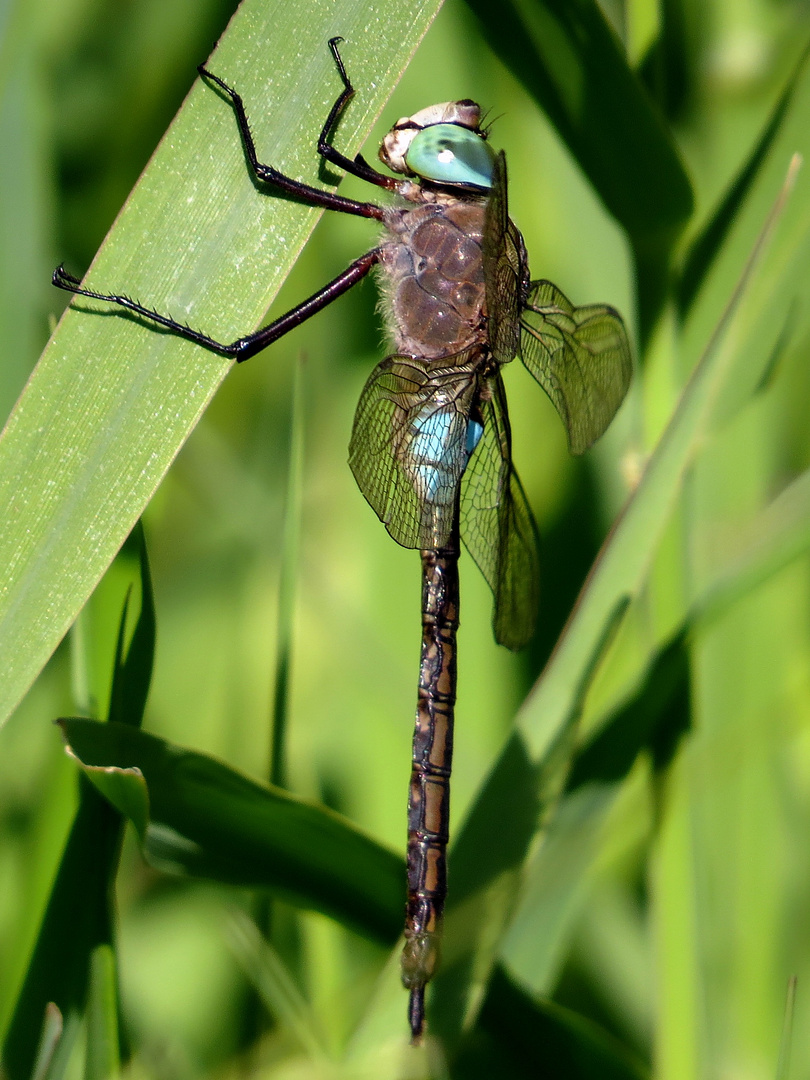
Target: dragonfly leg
point(268, 175)
point(245, 347)
point(359, 166)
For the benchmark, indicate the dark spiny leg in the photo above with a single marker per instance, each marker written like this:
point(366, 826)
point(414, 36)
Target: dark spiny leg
point(268, 175)
point(429, 798)
point(245, 347)
point(359, 166)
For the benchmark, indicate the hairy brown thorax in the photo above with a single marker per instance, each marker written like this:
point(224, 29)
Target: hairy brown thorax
point(433, 271)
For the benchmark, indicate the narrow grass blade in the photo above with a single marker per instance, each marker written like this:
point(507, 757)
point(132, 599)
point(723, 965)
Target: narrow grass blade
point(709, 241)
point(101, 1058)
point(135, 658)
point(51, 1034)
point(774, 538)
point(786, 1042)
point(267, 972)
point(288, 574)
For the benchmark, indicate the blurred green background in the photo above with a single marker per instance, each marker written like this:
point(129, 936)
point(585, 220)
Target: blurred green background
point(691, 905)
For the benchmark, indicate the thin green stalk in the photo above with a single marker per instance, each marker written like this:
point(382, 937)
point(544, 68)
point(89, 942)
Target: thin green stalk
point(290, 544)
point(786, 1042)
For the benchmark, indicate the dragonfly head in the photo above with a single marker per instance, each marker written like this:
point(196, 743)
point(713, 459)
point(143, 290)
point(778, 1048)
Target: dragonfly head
point(442, 144)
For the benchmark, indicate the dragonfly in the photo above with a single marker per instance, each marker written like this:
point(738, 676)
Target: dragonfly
point(431, 443)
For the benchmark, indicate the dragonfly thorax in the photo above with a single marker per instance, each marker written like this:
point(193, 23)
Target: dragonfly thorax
point(434, 277)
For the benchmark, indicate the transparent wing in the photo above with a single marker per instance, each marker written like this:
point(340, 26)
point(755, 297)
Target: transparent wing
point(504, 265)
point(581, 358)
point(497, 526)
point(408, 448)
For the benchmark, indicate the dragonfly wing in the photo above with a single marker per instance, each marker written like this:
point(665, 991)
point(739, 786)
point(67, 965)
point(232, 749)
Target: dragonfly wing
point(581, 358)
point(497, 526)
point(409, 445)
point(505, 261)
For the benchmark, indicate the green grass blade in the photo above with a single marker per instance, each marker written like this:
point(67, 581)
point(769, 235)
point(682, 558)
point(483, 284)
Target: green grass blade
point(101, 1060)
point(49, 1040)
point(706, 245)
point(654, 717)
point(286, 593)
point(779, 534)
point(276, 986)
point(786, 1042)
point(135, 658)
point(669, 64)
point(111, 401)
point(555, 878)
point(623, 562)
point(211, 821)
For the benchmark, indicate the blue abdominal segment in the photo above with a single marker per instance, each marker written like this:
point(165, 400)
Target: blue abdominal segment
point(474, 433)
point(432, 451)
point(438, 453)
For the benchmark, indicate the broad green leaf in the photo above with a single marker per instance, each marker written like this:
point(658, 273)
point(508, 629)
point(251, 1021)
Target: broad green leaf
point(209, 820)
point(112, 401)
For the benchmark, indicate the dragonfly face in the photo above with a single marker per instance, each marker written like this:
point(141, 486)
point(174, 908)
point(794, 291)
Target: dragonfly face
point(443, 144)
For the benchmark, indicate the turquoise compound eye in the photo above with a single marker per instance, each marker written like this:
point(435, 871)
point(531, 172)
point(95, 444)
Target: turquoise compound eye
point(449, 154)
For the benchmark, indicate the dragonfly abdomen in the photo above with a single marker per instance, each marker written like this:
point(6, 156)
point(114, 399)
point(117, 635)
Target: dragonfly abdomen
point(429, 794)
point(435, 271)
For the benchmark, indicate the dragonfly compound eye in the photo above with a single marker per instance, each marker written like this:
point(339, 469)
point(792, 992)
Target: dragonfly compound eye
point(450, 154)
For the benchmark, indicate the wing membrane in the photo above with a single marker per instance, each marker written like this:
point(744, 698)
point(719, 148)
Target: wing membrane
point(497, 526)
point(408, 448)
point(504, 263)
point(581, 358)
